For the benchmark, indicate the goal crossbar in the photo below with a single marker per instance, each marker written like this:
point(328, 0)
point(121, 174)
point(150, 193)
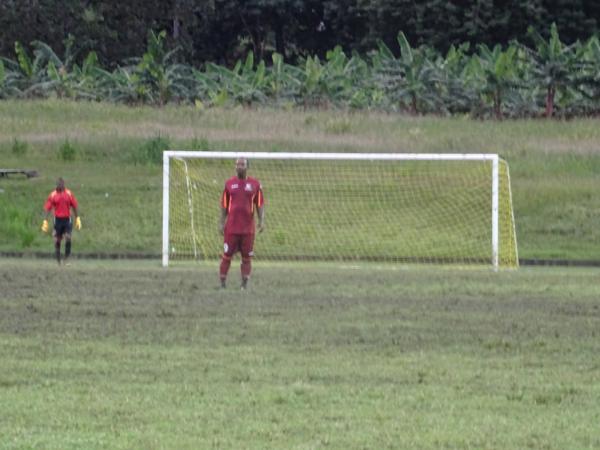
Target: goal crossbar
point(334, 156)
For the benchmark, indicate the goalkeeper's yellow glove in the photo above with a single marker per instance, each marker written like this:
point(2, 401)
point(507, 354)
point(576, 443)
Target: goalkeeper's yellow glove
point(45, 226)
point(78, 223)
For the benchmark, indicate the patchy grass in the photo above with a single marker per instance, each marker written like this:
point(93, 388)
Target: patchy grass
point(128, 355)
point(555, 166)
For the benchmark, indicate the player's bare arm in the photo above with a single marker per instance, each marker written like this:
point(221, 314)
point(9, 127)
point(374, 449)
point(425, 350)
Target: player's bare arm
point(261, 219)
point(222, 220)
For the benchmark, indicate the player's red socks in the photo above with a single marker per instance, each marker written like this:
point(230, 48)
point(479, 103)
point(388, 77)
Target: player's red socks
point(246, 267)
point(224, 268)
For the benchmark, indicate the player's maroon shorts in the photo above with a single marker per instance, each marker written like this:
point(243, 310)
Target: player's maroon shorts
point(243, 243)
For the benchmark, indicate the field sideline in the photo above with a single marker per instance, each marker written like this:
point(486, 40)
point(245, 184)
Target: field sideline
point(116, 355)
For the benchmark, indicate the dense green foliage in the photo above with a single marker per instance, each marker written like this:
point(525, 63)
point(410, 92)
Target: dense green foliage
point(550, 78)
point(122, 355)
point(554, 165)
point(220, 31)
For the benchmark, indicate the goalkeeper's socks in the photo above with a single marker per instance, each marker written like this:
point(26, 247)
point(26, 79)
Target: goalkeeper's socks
point(57, 251)
point(67, 249)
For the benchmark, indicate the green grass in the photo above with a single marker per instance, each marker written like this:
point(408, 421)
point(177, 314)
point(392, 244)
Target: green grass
point(555, 165)
point(127, 355)
point(115, 355)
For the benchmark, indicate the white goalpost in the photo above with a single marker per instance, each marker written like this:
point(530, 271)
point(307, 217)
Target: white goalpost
point(399, 207)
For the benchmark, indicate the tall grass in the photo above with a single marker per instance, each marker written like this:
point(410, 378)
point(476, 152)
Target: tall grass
point(555, 165)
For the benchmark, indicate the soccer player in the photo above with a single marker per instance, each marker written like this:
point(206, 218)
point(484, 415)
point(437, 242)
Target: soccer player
point(62, 201)
point(241, 197)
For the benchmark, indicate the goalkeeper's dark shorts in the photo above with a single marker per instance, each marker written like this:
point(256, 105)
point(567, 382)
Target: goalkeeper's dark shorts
point(62, 226)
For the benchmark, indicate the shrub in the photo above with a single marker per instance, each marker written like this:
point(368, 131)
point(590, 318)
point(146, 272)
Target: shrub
point(200, 144)
point(19, 148)
point(16, 224)
point(151, 151)
point(66, 152)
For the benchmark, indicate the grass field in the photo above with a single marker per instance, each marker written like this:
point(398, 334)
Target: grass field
point(116, 355)
point(555, 165)
point(127, 355)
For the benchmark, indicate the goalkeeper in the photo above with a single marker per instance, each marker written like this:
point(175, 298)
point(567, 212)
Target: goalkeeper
point(62, 201)
point(241, 197)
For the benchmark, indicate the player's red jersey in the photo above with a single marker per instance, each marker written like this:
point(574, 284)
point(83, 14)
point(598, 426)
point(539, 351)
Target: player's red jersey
point(240, 198)
point(61, 202)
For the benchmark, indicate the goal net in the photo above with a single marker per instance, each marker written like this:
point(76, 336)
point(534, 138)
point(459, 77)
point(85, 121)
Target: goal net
point(408, 208)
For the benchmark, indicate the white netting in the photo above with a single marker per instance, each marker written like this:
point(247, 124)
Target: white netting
point(381, 210)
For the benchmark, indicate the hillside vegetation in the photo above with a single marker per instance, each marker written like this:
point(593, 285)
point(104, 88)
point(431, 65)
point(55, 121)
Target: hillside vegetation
point(549, 77)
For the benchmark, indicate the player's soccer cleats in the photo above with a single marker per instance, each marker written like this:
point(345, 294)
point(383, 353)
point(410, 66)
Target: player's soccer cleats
point(223, 284)
point(244, 285)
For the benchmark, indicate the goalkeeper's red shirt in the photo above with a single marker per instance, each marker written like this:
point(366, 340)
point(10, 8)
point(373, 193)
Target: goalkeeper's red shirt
point(240, 198)
point(61, 202)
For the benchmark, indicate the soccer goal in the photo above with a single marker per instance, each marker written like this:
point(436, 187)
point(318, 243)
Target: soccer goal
point(387, 207)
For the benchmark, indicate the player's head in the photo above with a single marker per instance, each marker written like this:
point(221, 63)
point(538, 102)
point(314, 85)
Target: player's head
point(60, 184)
point(241, 166)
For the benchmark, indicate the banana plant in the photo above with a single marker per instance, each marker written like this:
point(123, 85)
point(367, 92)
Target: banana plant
point(409, 80)
point(157, 78)
point(313, 89)
point(457, 93)
point(59, 78)
point(590, 80)
point(553, 65)
point(218, 84)
point(338, 80)
point(205, 89)
point(2, 79)
point(25, 77)
point(496, 72)
point(284, 81)
point(67, 78)
point(118, 86)
point(242, 85)
point(8, 88)
point(347, 79)
point(87, 77)
point(248, 84)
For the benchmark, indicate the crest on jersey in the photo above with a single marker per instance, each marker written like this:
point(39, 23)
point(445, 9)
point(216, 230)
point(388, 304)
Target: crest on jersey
point(248, 187)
